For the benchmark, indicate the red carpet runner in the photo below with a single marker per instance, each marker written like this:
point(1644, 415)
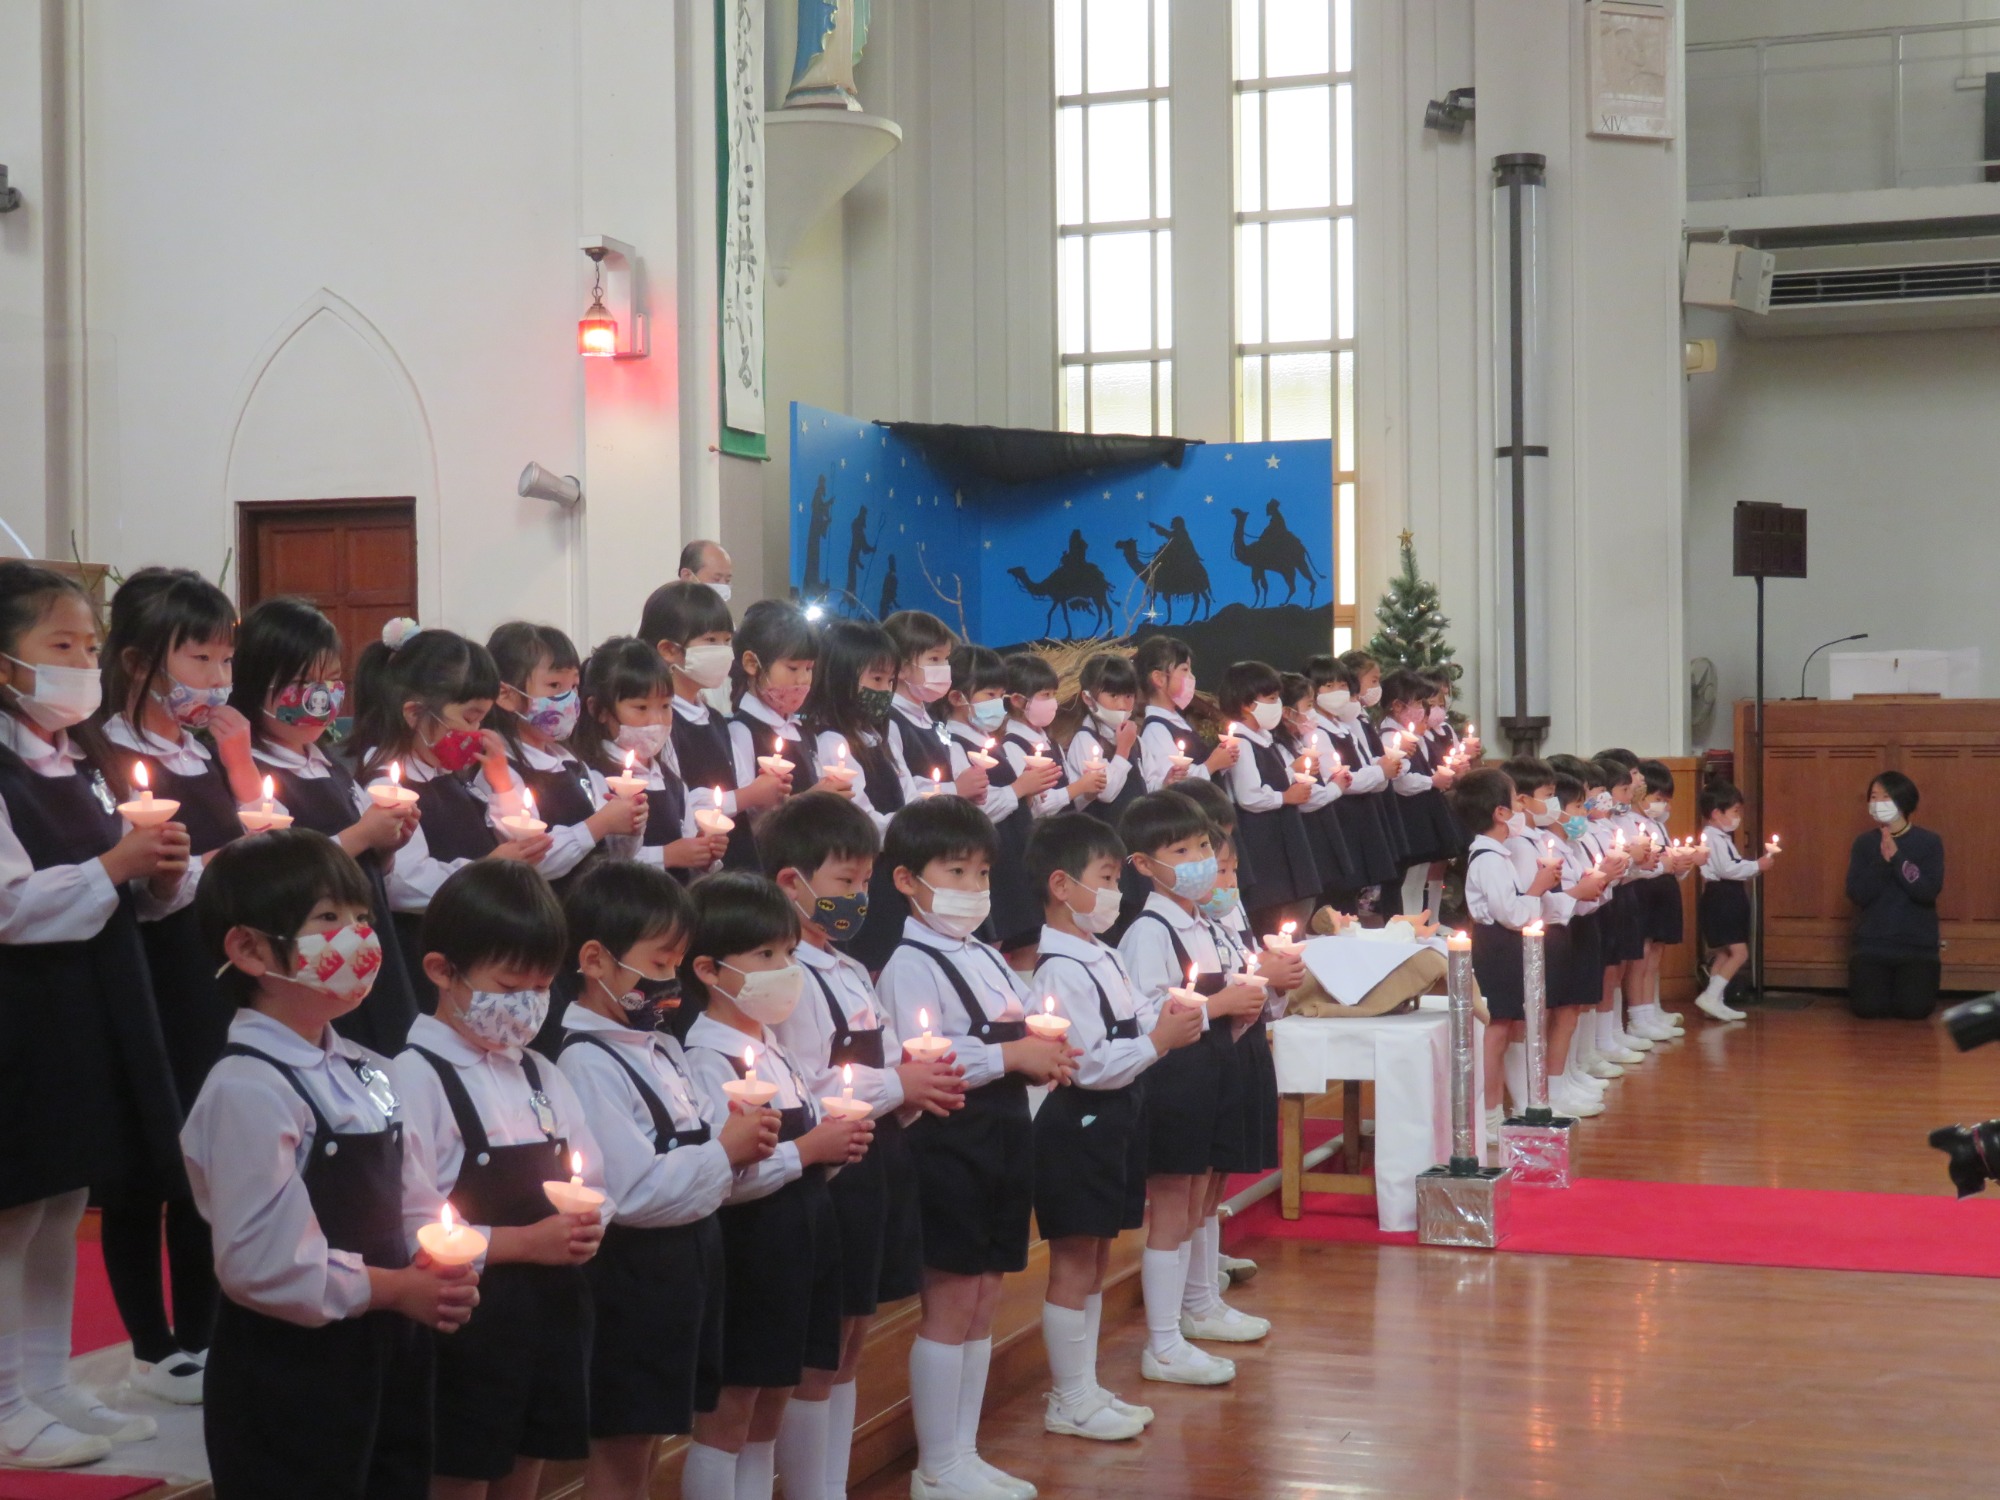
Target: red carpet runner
point(1742, 1226)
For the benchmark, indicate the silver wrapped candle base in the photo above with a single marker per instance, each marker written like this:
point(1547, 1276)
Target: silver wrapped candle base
point(1537, 1151)
point(1463, 1212)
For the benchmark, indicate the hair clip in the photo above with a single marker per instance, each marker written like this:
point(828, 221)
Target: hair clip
point(400, 631)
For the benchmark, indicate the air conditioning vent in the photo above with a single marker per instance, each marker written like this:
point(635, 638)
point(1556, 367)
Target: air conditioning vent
point(1882, 286)
point(1885, 284)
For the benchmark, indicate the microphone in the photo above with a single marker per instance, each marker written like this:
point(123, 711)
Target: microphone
point(1861, 636)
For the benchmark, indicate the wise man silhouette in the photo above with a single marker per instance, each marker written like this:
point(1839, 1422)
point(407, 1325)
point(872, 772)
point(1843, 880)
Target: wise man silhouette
point(859, 548)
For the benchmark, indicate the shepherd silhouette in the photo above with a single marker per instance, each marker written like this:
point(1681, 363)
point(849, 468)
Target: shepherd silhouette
point(820, 522)
point(859, 548)
point(887, 605)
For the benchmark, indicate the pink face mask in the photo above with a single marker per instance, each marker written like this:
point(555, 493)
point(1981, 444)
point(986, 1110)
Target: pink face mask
point(1040, 713)
point(1183, 692)
point(783, 701)
point(342, 963)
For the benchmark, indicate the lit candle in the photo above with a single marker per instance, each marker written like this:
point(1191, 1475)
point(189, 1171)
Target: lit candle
point(937, 780)
point(1188, 995)
point(840, 772)
point(1774, 845)
point(1459, 942)
point(450, 1243)
point(524, 824)
point(627, 785)
point(1534, 985)
point(713, 820)
point(926, 1048)
point(146, 810)
point(984, 758)
point(1036, 761)
point(1048, 1024)
point(1285, 941)
point(392, 793)
point(573, 1197)
point(775, 763)
point(844, 1106)
point(263, 819)
point(750, 1091)
point(1180, 760)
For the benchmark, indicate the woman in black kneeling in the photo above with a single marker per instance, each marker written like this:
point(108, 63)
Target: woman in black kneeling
point(1894, 874)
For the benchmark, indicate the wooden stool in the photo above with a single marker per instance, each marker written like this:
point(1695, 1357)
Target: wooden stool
point(1357, 1159)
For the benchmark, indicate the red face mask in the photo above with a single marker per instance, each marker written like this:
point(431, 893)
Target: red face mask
point(456, 749)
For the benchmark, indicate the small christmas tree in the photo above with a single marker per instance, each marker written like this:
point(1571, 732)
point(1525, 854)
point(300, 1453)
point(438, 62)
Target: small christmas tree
point(1412, 630)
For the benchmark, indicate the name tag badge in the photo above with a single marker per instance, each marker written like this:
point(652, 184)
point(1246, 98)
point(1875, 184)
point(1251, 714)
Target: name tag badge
point(380, 1091)
point(545, 1115)
point(102, 791)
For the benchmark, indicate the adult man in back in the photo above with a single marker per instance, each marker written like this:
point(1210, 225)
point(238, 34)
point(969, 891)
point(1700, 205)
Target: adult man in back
point(707, 562)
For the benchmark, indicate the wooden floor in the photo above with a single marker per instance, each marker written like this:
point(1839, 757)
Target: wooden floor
point(1418, 1373)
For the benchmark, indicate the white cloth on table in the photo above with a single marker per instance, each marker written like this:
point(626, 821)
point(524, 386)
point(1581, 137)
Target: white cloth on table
point(1348, 967)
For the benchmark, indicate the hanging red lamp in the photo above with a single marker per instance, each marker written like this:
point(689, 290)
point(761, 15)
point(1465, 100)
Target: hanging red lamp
point(597, 330)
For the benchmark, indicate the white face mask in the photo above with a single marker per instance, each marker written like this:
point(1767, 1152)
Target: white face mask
point(645, 741)
point(768, 996)
point(1111, 718)
point(1884, 812)
point(1267, 715)
point(61, 696)
point(1517, 823)
point(1371, 696)
point(1103, 913)
point(932, 682)
point(721, 591)
point(709, 665)
point(1658, 810)
point(956, 913)
point(1040, 712)
point(342, 963)
point(1348, 711)
point(1731, 822)
point(1549, 813)
point(506, 1018)
point(1332, 701)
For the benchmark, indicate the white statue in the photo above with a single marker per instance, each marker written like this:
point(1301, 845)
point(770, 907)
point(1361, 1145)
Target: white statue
point(832, 36)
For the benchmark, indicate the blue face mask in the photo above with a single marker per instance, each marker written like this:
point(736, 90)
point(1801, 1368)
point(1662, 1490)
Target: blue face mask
point(1195, 879)
point(1219, 902)
point(987, 716)
point(1574, 826)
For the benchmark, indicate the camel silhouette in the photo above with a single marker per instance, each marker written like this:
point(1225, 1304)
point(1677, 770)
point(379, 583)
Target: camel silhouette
point(1077, 585)
point(1277, 550)
point(1172, 573)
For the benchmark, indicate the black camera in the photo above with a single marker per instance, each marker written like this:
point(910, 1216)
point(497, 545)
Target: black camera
point(1971, 1151)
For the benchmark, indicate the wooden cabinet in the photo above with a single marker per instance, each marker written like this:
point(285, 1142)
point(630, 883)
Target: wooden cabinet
point(1819, 759)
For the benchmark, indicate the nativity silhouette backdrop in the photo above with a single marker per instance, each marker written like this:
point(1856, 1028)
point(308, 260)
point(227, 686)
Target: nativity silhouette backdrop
point(1231, 550)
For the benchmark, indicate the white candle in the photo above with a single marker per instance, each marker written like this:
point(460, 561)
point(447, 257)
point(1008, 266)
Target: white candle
point(263, 819)
point(713, 820)
point(775, 763)
point(146, 810)
point(844, 1106)
point(524, 824)
point(392, 793)
point(840, 772)
point(1180, 760)
point(750, 1090)
point(1048, 1024)
point(627, 785)
point(984, 758)
point(450, 1243)
point(926, 1048)
point(1284, 942)
point(573, 1197)
point(1190, 995)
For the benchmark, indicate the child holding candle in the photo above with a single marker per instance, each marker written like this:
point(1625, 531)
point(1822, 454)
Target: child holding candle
point(1500, 905)
point(1172, 953)
point(167, 664)
point(1363, 813)
point(90, 1102)
point(540, 704)
point(320, 1377)
point(780, 1231)
point(972, 718)
point(288, 687)
point(821, 852)
point(1024, 747)
point(688, 624)
point(421, 701)
point(1625, 931)
point(1090, 1164)
point(1169, 750)
point(628, 710)
point(776, 651)
point(489, 1123)
point(1665, 917)
point(1314, 760)
point(1597, 845)
point(670, 1159)
point(1382, 744)
point(924, 646)
point(1722, 912)
point(1429, 825)
point(975, 1167)
point(1108, 736)
point(1280, 876)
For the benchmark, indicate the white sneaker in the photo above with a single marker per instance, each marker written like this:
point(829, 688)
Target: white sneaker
point(1000, 1479)
point(1633, 1041)
point(1574, 1102)
point(1711, 1005)
point(1095, 1419)
point(1673, 1018)
point(1597, 1065)
point(1224, 1325)
point(32, 1439)
point(1143, 1415)
point(1495, 1118)
point(177, 1378)
point(963, 1481)
point(1187, 1365)
point(1238, 1269)
point(81, 1411)
point(1583, 1082)
point(1652, 1028)
point(1624, 1057)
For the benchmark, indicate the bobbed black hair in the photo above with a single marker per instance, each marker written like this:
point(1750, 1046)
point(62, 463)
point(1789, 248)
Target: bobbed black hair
point(938, 828)
point(1107, 674)
point(1529, 773)
point(975, 669)
point(27, 594)
point(521, 648)
point(1616, 772)
point(1589, 772)
point(735, 912)
point(1069, 842)
point(434, 668)
point(623, 667)
point(1243, 684)
point(1659, 780)
point(1719, 796)
point(847, 650)
point(1158, 819)
point(1360, 663)
point(154, 612)
point(1160, 653)
point(270, 883)
point(1899, 788)
point(1213, 801)
point(773, 631)
point(1029, 675)
point(1324, 672)
point(916, 631)
point(277, 644)
point(1406, 687)
point(622, 903)
point(1624, 758)
point(496, 911)
point(1568, 788)
point(681, 611)
point(804, 832)
point(1479, 795)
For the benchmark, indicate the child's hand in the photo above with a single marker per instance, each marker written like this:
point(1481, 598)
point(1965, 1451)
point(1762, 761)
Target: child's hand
point(836, 1143)
point(1391, 764)
point(1178, 1026)
point(1176, 773)
point(697, 853)
point(380, 828)
point(159, 853)
point(231, 733)
point(1342, 777)
point(623, 817)
point(1589, 887)
point(1296, 793)
point(552, 1241)
point(528, 850)
point(766, 791)
point(493, 760)
point(935, 1087)
point(838, 788)
point(1037, 1059)
point(971, 784)
point(1226, 753)
point(1765, 862)
point(1546, 876)
point(749, 1135)
point(1035, 780)
point(1237, 1000)
point(429, 1295)
point(1286, 971)
point(1616, 863)
point(1090, 785)
point(1128, 736)
point(1443, 777)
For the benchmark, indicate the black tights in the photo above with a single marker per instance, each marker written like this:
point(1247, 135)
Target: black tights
point(132, 1263)
point(1891, 989)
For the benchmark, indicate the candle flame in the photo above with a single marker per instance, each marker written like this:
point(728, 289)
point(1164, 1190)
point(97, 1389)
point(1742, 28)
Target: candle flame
point(139, 777)
point(629, 754)
point(924, 1020)
point(937, 776)
point(395, 773)
point(847, 1074)
point(1533, 930)
point(777, 744)
point(991, 742)
point(1048, 1005)
point(840, 750)
point(750, 1061)
point(444, 1218)
point(1191, 972)
point(1040, 746)
point(576, 1163)
point(1233, 731)
point(1181, 745)
point(270, 789)
point(1286, 929)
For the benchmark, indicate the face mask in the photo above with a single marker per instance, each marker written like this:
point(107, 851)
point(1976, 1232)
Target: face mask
point(647, 998)
point(785, 701)
point(1517, 823)
point(1332, 701)
point(1884, 812)
point(1183, 693)
point(1657, 810)
point(1435, 718)
point(721, 591)
point(1349, 711)
point(554, 716)
point(309, 705)
point(505, 1018)
point(840, 916)
point(192, 708)
point(62, 696)
point(1111, 718)
point(987, 715)
point(645, 741)
point(768, 996)
point(1039, 712)
point(1371, 696)
point(874, 704)
point(1549, 814)
point(708, 666)
point(1267, 715)
point(1574, 826)
point(1732, 822)
point(1219, 902)
point(456, 749)
point(957, 913)
point(1194, 879)
point(1103, 914)
point(342, 963)
point(932, 682)
point(1599, 802)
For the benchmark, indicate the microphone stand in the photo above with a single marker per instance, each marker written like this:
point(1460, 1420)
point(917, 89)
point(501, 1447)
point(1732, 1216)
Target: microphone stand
point(1843, 640)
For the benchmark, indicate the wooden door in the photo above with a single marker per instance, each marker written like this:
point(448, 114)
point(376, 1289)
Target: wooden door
point(355, 559)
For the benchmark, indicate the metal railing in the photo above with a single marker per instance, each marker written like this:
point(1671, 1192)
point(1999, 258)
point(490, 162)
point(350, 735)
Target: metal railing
point(1834, 111)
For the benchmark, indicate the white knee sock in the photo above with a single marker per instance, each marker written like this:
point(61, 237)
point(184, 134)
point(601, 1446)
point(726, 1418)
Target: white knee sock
point(48, 1291)
point(710, 1474)
point(839, 1438)
point(1093, 1312)
point(1066, 1332)
point(1204, 1265)
point(936, 1372)
point(1161, 1281)
point(801, 1449)
point(754, 1469)
point(977, 1356)
point(17, 1229)
point(1413, 888)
